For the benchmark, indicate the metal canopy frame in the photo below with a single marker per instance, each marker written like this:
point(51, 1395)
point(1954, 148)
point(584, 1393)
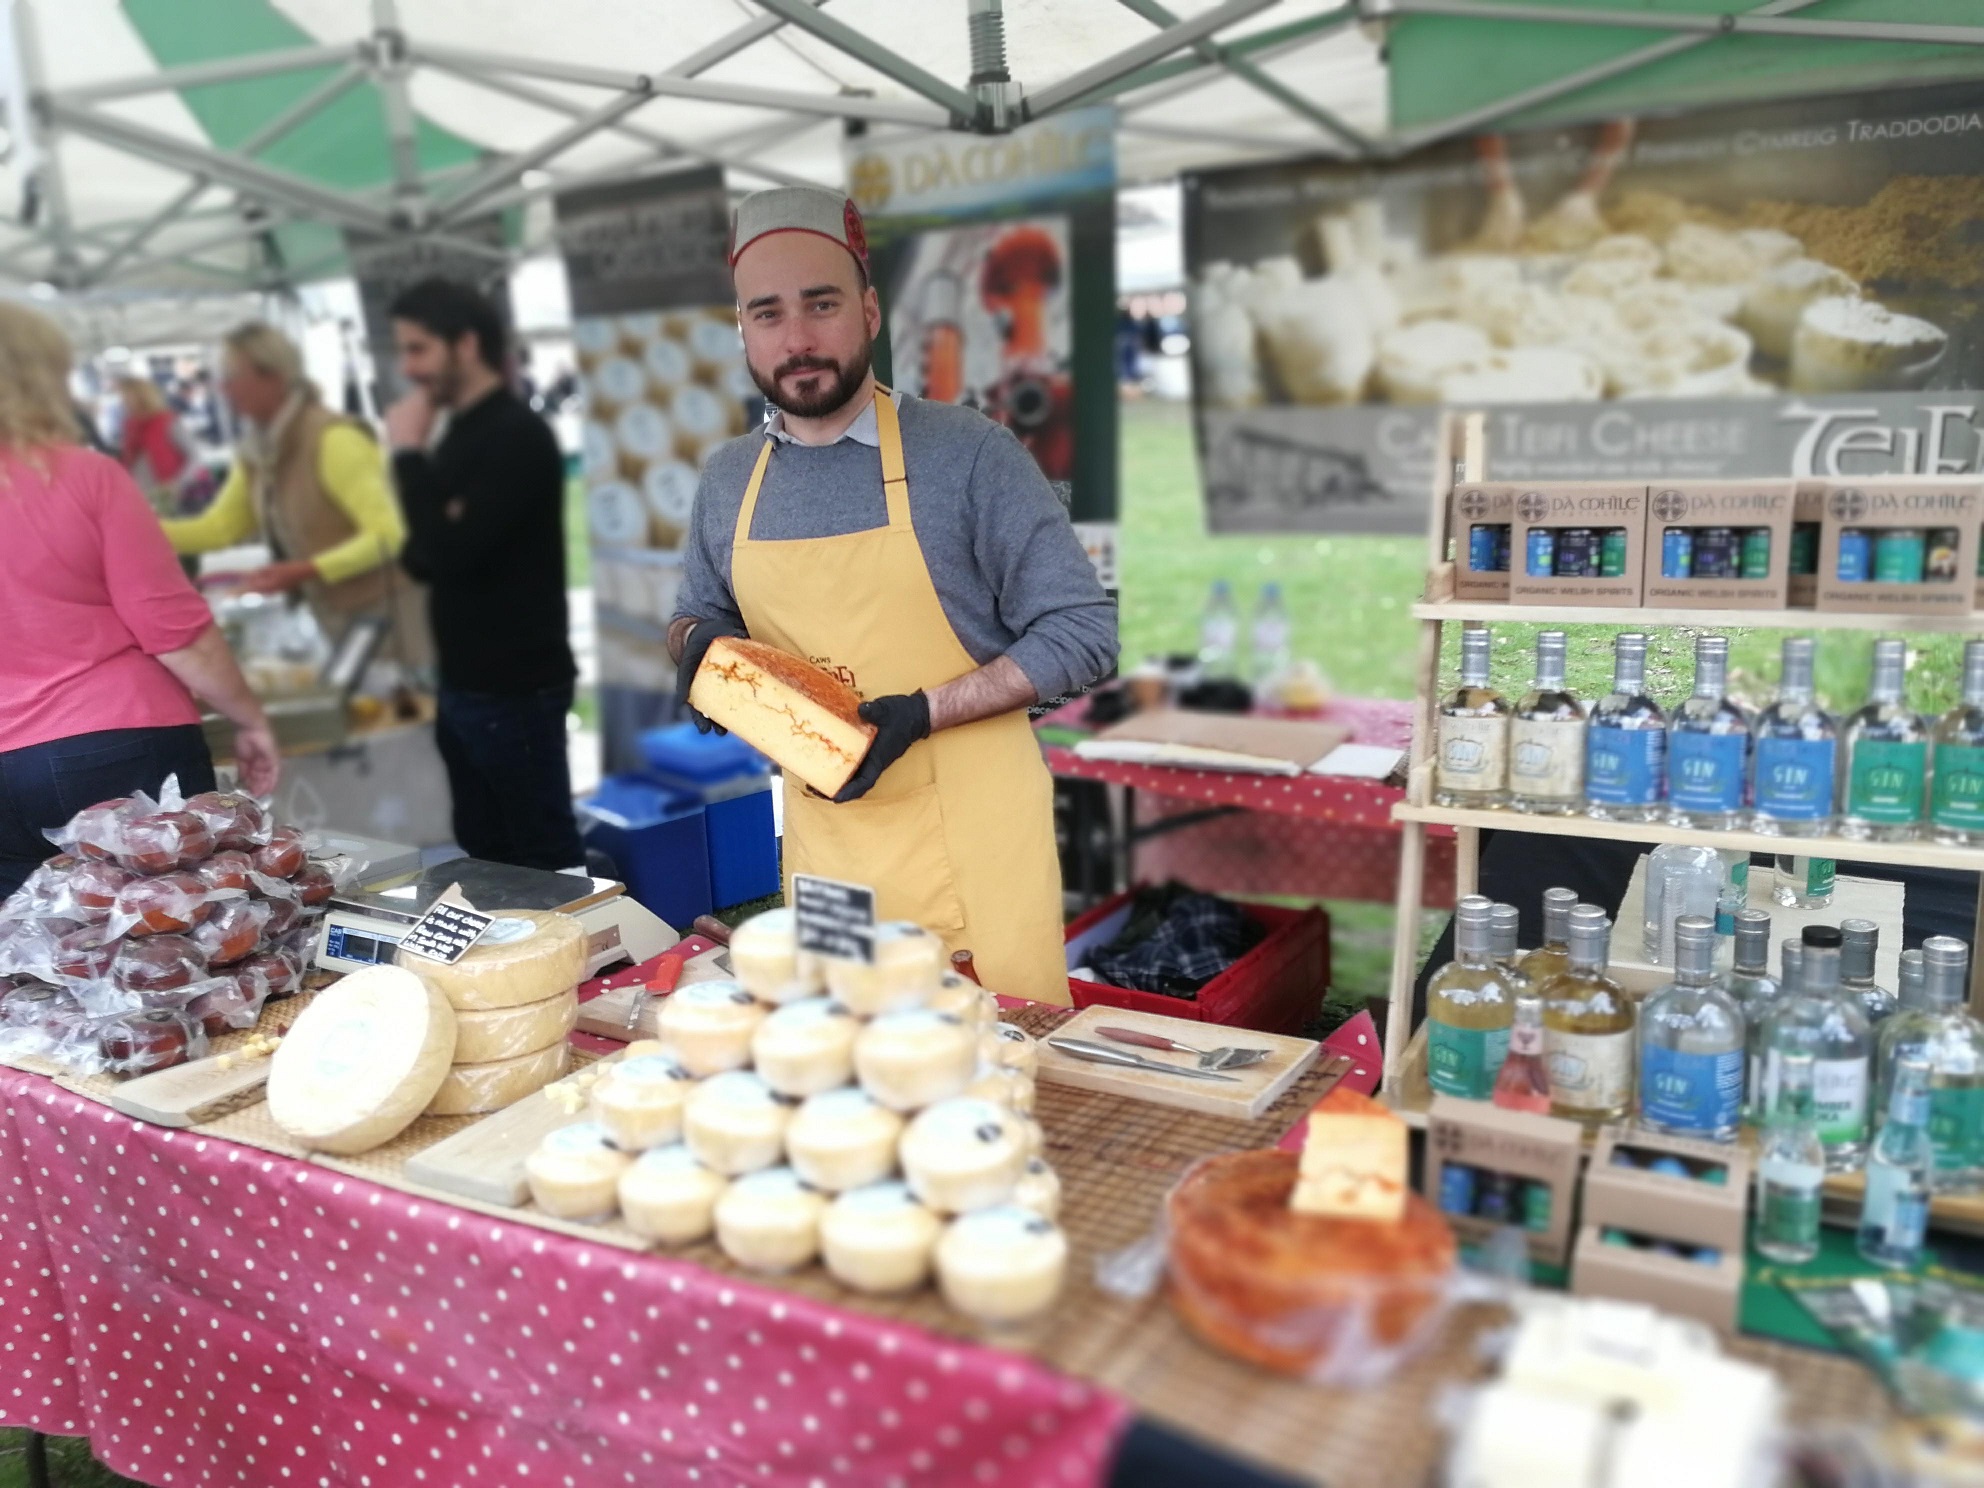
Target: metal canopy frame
point(1179, 56)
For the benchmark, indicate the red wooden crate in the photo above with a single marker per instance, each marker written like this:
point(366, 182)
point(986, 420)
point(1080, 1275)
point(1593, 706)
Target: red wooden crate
point(1276, 987)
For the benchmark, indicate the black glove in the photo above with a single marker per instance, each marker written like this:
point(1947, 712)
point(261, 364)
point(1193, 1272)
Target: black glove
point(694, 644)
point(899, 722)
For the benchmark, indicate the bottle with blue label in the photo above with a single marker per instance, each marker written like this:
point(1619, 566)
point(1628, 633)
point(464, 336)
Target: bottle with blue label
point(1796, 757)
point(1691, 1045)
point(1625, 774)
point(1708, 747)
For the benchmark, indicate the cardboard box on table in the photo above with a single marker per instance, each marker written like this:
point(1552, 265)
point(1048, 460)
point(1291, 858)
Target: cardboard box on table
point(1690, 508)
point(1566, 506)
point(1808, 511)
point(1952, 507)
point(1488, 505)
point(1541, 1149)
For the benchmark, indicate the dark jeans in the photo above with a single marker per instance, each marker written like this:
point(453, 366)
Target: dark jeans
point(508, 774)
point(43, 785)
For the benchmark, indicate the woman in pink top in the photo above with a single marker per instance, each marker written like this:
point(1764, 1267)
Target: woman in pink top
point(103, 643)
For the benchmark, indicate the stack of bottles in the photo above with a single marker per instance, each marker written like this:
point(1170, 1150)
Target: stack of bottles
point(1793, 770)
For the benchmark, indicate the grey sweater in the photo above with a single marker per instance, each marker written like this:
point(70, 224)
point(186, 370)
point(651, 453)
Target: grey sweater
point(1011, 575)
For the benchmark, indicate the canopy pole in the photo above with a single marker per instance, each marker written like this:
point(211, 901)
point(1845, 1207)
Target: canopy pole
point(961, 106)
point(502, 172)
point(391, 68)
point(1077, 88)
point(27, 83)
point(1717, 25)
point(203, 74)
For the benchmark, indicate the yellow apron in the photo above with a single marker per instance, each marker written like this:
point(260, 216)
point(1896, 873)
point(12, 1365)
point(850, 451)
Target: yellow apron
point(958, 834)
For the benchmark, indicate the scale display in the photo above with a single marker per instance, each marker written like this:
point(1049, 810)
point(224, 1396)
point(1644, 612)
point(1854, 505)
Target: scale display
point(346, 944)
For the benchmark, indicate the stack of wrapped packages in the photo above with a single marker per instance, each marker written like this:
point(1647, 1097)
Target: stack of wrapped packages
point(160, 925)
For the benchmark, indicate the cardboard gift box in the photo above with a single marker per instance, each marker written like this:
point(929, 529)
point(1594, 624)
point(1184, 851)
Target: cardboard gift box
point(1808, 516)
point(1578, 544)
point(1481, 519)
point(1474, 1149)
point(1718, 545)
point(1900, 545)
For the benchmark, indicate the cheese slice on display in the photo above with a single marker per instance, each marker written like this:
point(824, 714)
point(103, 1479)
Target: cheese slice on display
point(801, 716)
point(525, 956)
point(1353, 1167)
point(505, 1033)
point(470, 1088)
point(362, 1061)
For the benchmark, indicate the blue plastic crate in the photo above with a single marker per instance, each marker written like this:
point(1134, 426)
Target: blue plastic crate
point(733, 782)
point(660, 840)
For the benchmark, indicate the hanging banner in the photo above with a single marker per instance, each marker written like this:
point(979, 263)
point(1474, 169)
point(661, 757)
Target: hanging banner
point(1787, 289)
point(994, 256)
point(384, 267)
point(661, 366)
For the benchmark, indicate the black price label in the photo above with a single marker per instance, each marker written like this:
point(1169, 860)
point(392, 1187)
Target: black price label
point(834, 919)
point(446, 932)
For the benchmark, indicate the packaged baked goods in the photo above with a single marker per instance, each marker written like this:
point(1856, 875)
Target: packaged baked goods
point(1000, 1265)
point(238, 823)
point(575, 1173)
point(157, 963)
point(964, 1154)
point(765, 958)
point(639, 1102)
point(843, 1139)
point(735, 1123)
point(163, 904)
point(233, 932)
point(670, 1196)
point(803, 717)
point(283, 855)
point(149, 1040)
point(909, 963)
point(708, 1026)
point(915, 1059)
point(769, 1221)
point(879, 1238)
point(805, 1047)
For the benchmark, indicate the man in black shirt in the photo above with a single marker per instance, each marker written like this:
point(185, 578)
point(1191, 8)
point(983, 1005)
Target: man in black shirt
point(485, 531)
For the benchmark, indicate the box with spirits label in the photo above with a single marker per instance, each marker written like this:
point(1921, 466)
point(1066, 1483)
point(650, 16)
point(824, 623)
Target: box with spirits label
point(1481, 521)
point(1578, 544)
point(1718, 545)
point(1487, 1167)
point(1900, 545)
point(1700, 1282)
point(1808, 513)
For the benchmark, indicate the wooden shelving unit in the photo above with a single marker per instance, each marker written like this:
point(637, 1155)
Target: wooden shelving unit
point(1488, 611)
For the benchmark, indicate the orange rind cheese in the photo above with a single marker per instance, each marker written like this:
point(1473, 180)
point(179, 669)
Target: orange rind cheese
point(802, 717)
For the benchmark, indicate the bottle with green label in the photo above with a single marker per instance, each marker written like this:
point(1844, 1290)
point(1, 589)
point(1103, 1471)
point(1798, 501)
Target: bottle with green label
point(1470, 1003)
point(1819, 1020)
point(1942, 1032)
point(1791, 1170)
point(1887, 756)
point(1956, 799)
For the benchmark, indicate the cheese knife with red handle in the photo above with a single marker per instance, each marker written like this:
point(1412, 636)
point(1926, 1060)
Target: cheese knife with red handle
point(706, 934)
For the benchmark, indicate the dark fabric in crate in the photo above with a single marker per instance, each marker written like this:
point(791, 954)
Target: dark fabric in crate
point(1176, 940)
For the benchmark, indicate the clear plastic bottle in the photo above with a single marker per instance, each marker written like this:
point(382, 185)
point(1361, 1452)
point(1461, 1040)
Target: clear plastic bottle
point(1219, 633)
point(1796, 763)
point(1470, 1003)
point(1546, 738)
point(1791, 1170)
point(1691, 1045)
point(1708, 747)
point(1894, 1212)
point(1755, 992)
point(1819, 1020)
point(1471, 768)
point(1860, 942)
point(1269, 634)
point(1625, 775)
point(1680, 880)
point(1956, 800)
point(1887, 757)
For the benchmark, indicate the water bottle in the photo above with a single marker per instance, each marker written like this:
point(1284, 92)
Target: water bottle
point(1269, 635)
point(1219, 632)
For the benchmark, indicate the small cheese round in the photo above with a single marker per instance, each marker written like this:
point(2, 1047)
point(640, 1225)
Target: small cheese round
point(505, 1033)
point(964, 1154)
point(765, 956)
point(915, 1059)
point(1003, 1087)
point(470, 1088)
point(770, 1221)
point(574, 1173)
point(843, 1139)
point(1014, 1048)
point(806, 1047)
point(879, 1238)
point(668, 1195)
point(735, 1122)
point(1039, 1189)
point(362, 1061)
point(1000, 1265)
point(908, 962)
point(708, 1026)
point(640, 1102)
point(524, 956)
point(1032, 1135)
point(971, 1003)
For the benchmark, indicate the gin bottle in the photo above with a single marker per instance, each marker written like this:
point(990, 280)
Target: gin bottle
point(1708, 747)
point(1504, 930)
point(1910, 994)
point(1625, 775)
point(1819, 1020)
point(1803, 883)
point(1524, 1081)
point(1691, 1045)
point(1751, 987)
point(1887, 757)
point(1795, 764)
point(1588, 1028)
point(1956, 800)
point(1791, 1170)
point(1546, 738)
point(1469, 1006)
point(1859, 939)
point(1894, 1214)
point(1554, 955)
point(1472, 769)
point(1943, 1033)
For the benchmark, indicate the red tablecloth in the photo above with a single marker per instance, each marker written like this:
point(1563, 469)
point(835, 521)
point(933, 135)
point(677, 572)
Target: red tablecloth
point(208, 1313)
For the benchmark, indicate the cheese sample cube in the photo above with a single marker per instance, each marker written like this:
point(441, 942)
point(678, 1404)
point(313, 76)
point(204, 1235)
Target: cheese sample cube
point(575, 1173)
point(770, 1221)
point(806, 719)
point(640, 1102)
point(668, 1195)
point(1353, 1167)
point(362, 1061)
point(879, 1238)
point(524, 956)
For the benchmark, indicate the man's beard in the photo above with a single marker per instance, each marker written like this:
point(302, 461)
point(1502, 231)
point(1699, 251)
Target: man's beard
point(825, 400)
point(445, 386)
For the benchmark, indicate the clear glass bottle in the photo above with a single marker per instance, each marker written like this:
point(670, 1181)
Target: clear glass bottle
point(1803, 883)
point(1268, 637)
point(1755, 992)
point(1887, 756)
point(1546, 738)
point(1472, 766)
point(1625, 777)
point(1791, 966)
point(1819, 1020)
point(1956, 800)
point(1691, 1045)
point(1950, 1040)
point(1524, 1081)
point(1796, 764)
point(1910, 995)
point(1859, 942)
point(1791, 1170)
point(1504, 930)
point(1708, 747)
point(1219, 633)
point(1554, 955)
point(1894, 1212)
point(1680, 880)
point(1588, 1028)
point(1470, 1004)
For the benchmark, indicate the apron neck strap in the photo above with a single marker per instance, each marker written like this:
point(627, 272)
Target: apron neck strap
point(895, 475)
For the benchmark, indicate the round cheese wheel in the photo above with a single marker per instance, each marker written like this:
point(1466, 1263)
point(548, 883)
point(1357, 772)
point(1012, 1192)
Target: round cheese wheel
point(525, 956)
point(770, 1221)
point(735, 1122)
point(879, 1238)
point(1002, 1264)
point(915, 1059)
point(1039, 1189)
point(805, 1047)
point(708, 1026)
point(361, 1061)
point(970, 1003)
point(470, 1088)
point(575, 1173)
point(1012, 1047)
point(1003, 1087)
point(843, 1139)
point(668, 364)
point(909, 960)
point(765, 956)
point(964, 1155)
point(505, 1033)
point(668, 1195)
point(640, 1102)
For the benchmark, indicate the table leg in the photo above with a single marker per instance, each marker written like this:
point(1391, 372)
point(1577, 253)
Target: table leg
point(37, 1460)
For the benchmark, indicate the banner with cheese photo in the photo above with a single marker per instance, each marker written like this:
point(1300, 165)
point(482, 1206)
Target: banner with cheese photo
point(1765, 290)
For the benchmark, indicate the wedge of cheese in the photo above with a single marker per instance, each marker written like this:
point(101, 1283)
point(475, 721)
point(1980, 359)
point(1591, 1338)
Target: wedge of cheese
point(1353, 1167)
point(806, 719)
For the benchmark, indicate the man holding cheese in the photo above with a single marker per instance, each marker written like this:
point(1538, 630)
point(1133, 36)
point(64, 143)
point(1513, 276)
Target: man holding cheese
point(914, 550)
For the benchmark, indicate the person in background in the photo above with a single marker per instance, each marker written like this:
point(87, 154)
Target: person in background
point(109, 645)
point(484, 494)
point(150, 446)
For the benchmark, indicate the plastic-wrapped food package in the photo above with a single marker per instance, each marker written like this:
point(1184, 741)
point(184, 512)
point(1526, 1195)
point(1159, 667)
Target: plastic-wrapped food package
point(227, 1001)
point(234, 931)
point(84, 954)
point(284, 854)
point(93, 887)
point(32, 1014)
point(284, 903)
point(237, 822)
point(164, 905)
point(229, 869)
point(158, 963)
point(153, 1039)
point(96, 831)
point(162, 841)
point(282, 972)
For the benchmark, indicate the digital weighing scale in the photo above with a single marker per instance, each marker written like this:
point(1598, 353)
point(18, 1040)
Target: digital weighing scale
point(364, 927)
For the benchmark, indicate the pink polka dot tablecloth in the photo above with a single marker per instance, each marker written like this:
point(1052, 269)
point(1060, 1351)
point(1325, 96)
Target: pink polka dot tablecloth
point(209, 1313)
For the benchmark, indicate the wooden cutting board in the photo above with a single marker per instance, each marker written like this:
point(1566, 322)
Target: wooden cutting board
point(606, 1014)
point(485, 1161)
point(192, 1094)
point(1253, 1091)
